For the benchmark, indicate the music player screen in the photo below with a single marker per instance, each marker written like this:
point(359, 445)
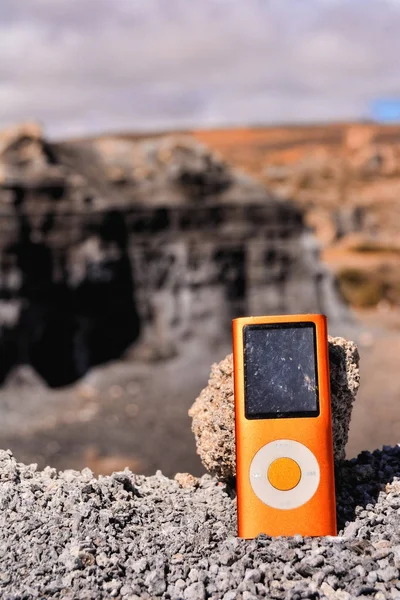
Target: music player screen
point(280, 371)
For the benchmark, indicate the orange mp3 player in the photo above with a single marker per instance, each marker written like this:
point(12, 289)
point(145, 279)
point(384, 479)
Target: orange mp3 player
point(284, 453)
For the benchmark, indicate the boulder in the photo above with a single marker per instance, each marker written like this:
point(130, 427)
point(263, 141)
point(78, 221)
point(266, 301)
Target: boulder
point(213, 411)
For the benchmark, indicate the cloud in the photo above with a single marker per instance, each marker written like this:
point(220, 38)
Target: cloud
point(83, 66)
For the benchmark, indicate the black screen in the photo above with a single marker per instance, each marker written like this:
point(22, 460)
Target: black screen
point(280, 371)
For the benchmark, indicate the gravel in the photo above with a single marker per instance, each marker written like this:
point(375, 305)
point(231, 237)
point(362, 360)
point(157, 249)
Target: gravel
point(68, 535)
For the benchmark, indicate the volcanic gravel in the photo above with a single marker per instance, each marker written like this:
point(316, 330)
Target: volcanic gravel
point(68, 535)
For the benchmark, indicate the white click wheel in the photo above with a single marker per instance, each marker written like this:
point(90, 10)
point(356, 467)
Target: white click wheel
point(284, 474)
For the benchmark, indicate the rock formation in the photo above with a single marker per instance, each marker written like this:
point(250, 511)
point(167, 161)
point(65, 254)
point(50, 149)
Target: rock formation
point(346, 178)
point(104, 240)
point(213, 411)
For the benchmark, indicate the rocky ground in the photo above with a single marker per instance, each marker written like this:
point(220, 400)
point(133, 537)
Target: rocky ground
point(127, 413)
point(67, 535)
point(376, 413)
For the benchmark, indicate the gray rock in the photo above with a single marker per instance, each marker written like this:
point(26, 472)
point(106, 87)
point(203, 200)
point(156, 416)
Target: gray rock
point(231, 595)
point(155, 582)
point(387, 574)
point(195, 591)
point(252, 575)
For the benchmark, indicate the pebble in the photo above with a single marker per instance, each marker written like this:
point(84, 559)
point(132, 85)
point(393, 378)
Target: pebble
point(71, 536)
point(195, 591)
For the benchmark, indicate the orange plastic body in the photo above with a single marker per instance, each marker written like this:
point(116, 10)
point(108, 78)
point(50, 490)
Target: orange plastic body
point(317, 517)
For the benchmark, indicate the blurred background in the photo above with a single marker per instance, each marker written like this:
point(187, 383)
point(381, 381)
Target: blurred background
point(167, 166)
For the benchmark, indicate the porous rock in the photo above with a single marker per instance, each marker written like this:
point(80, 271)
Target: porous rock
point(186, 480)
point(213, 418)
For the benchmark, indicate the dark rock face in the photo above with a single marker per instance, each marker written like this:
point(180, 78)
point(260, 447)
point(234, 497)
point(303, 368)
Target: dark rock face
point(67, 287)
point(66, 326)
point(102, 243)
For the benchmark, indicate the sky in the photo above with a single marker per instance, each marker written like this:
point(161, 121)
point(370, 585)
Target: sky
point(91, 66)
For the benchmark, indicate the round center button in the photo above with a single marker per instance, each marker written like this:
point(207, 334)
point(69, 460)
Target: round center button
point(284, 474)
